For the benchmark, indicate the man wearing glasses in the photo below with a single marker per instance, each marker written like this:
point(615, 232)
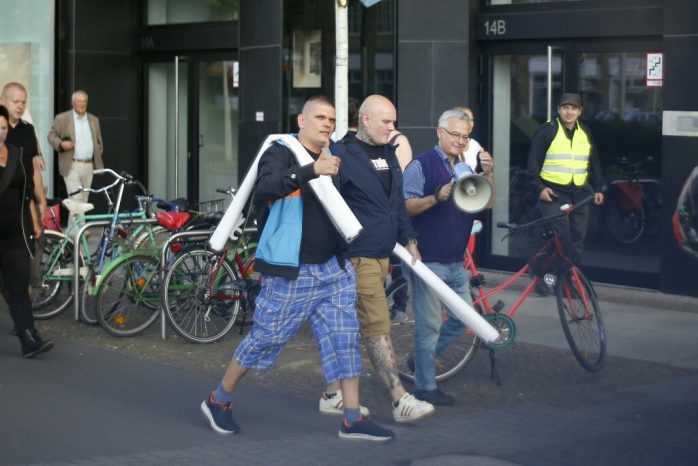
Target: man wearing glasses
point(443, 232)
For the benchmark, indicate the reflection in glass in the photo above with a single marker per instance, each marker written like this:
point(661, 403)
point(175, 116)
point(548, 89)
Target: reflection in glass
point(188, 11)
point(161, 130)
point(625, 118)
point(520, 106)
point(514, 2)
point(218, 128)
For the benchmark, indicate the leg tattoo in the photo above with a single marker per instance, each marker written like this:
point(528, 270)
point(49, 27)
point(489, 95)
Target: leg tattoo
point(380, 351)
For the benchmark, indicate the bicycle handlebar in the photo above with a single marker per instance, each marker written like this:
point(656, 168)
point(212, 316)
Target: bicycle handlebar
point(123, 177)
point(229, 191)
point(565, 208)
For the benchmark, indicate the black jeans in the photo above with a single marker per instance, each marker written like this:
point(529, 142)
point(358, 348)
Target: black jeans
point(14, 267)
point(573, 228)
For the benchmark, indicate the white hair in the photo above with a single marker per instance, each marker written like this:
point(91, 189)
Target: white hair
point(77, 93)
point(453, 113)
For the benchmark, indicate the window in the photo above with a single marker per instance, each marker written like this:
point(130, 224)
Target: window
point(187, 11)
point(26, 56)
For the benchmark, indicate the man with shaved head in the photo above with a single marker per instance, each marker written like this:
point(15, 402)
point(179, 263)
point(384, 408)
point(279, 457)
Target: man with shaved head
point(22, 134)
point(306, 278)
point(371, 183)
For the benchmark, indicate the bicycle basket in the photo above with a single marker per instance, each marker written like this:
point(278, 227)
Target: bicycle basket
point(216, 205)
point(526, 243)
point(630, 196)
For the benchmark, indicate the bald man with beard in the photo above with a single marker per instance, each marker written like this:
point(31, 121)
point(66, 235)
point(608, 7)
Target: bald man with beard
point(371, 183)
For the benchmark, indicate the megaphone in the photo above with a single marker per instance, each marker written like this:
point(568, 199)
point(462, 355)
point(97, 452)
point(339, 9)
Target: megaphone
point(471, 192)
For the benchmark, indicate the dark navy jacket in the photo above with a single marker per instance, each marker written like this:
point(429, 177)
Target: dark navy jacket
point(383, 217)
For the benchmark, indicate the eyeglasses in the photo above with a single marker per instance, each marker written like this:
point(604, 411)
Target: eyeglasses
point(454, 135)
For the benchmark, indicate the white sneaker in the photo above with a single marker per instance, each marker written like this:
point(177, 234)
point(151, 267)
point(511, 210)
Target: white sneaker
point(335, 405)
point(410, 408)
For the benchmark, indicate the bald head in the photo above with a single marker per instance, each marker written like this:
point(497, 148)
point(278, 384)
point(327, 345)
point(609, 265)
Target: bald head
point(13, 86)
point(377, 118)
point(14, 97)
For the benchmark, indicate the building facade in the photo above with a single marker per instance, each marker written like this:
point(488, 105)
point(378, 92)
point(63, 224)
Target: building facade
point(187, 90)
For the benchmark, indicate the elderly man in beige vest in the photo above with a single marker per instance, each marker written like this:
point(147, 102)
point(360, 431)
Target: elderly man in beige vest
point(76, 136)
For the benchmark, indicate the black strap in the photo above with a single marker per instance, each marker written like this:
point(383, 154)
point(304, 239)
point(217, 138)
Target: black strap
point(394, 138)
point(10, 169)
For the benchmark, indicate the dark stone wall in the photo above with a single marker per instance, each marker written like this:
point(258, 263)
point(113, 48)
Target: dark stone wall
point(95, 51)
point(433, 65)
point(261, 36)
point(679, 153)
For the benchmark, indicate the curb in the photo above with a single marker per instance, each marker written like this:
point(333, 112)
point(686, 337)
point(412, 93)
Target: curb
point(617, 294)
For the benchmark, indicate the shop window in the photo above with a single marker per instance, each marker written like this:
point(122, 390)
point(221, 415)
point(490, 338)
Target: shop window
point(27, 29)
point(186, 11)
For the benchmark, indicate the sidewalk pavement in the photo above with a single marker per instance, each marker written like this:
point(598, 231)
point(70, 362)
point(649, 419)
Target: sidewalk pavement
point(96, 399)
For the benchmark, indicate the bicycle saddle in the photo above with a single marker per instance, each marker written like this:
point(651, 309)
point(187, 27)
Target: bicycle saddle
point(172, 220)
point(77, 207)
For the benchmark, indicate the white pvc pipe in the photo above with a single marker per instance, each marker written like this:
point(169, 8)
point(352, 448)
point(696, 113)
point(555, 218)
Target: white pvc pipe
point(455, 303)
point(339, 212)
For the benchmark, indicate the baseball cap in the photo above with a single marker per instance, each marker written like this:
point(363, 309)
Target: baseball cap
point(570, 99)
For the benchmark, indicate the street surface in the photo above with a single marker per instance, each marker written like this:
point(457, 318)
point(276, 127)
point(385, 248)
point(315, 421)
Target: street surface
point(100, 400)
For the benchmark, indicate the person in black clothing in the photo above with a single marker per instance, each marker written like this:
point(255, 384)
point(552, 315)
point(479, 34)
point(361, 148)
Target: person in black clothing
point(305, 278)
point(565, 168)
point(23, 134)
point(17, 233)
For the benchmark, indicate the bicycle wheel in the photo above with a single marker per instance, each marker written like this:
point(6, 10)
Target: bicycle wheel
point(127, 299)
point(88, 301)
point(152, 237)
point(88, 298)
point(624, 226)
point(581, 319)
point(202, 307)
point(448, 363)
point(53, 291)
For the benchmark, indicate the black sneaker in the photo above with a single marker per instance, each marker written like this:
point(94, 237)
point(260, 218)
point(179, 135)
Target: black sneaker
point(32, 343)
point(363, 429)
point(435, 397)
point(220, 416)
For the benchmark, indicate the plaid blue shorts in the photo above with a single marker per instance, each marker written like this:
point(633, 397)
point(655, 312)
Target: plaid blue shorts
point(325, 294)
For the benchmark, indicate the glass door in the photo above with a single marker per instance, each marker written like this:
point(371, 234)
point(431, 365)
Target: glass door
point(520, 105)
point(167, 120)
point(624, 117)
point(216, 151)
point(192, 119)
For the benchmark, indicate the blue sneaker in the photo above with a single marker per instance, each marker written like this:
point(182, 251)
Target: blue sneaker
point(363, 429)
point(220, 416)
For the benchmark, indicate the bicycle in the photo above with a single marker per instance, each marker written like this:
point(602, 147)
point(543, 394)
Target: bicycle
point(128, 295)
point(578, 308)
point(54, 291)
point(633, 203)
point(203, 291)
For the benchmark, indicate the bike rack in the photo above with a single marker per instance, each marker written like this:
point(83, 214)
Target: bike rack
point(76, 261)
point(163, 266)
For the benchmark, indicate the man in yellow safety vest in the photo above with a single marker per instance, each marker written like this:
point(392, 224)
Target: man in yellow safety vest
point(566, 169)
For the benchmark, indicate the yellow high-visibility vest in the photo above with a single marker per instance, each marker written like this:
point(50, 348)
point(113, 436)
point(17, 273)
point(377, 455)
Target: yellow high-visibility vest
point(567, 161)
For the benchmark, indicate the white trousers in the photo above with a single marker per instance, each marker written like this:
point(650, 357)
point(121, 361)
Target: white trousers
point(80, 175)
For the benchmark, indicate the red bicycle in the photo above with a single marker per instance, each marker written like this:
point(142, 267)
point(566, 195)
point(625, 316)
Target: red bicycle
point(578, 307)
